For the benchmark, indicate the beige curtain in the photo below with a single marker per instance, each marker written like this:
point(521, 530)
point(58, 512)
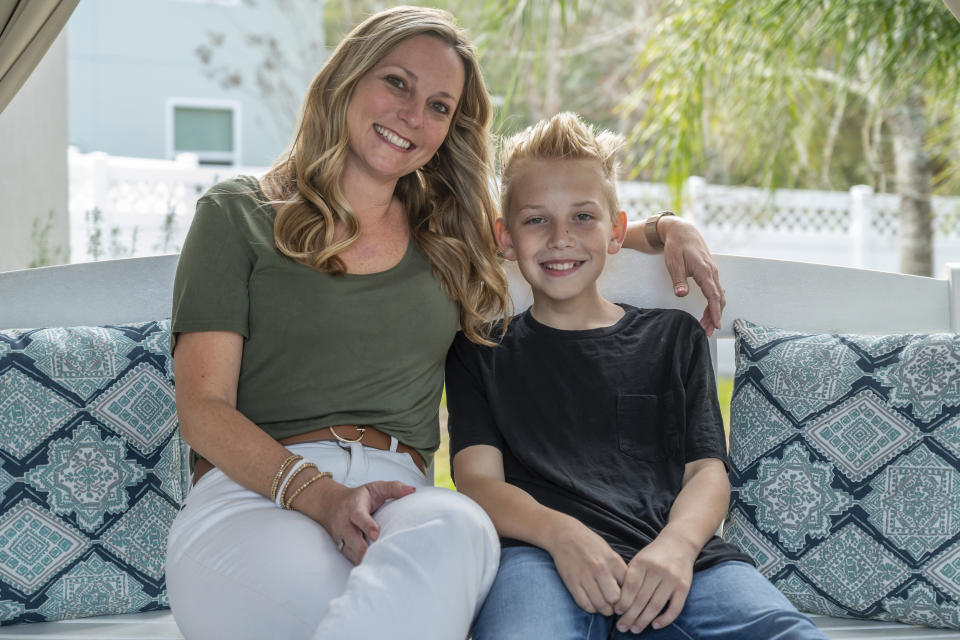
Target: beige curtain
point(27, 29)
point(954, 6)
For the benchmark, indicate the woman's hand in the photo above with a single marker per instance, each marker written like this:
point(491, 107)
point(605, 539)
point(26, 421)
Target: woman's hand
point(687, 256)
point(347, 514)
point(589, 568)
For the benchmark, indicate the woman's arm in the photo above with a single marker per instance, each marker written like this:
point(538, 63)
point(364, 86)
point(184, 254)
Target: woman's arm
point(687, 256)
point(662, 572)
point(207, 366)
point(590, 569)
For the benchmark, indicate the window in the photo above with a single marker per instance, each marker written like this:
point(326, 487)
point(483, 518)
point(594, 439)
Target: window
point(208, 128)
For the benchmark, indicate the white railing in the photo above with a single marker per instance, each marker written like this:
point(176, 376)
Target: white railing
point(131, 207)
point(145, 208)
point(855, 228)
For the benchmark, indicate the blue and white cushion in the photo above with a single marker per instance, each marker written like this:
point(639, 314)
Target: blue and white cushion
point(845, 455)
point(92, 470)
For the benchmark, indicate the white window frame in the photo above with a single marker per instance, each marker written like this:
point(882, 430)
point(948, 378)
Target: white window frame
point(234, 157)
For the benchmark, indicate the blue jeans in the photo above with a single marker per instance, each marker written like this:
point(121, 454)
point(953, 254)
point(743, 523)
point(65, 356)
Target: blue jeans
point(728, 601)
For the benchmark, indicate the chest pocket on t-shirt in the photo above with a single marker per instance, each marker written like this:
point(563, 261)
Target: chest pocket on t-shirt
point(649, 426)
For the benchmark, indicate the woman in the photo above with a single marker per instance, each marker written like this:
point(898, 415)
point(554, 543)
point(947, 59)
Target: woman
point(312, 315)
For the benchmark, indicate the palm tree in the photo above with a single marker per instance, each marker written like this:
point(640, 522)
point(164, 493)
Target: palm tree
point(771, 84)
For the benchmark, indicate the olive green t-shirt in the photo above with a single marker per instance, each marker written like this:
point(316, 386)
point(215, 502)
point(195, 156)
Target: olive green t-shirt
point(319, 349)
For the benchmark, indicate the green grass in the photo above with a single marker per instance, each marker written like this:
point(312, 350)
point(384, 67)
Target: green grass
point(724, 391)
point(441, 461)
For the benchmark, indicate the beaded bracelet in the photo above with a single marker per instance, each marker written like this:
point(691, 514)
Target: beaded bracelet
point(299, 466)
point(276, 479)
point(322, 474)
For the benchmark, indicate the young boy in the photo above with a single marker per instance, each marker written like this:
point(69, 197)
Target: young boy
point(592, 435)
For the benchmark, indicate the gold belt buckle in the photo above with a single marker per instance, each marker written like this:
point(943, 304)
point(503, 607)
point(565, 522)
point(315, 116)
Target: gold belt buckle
point(340, 438)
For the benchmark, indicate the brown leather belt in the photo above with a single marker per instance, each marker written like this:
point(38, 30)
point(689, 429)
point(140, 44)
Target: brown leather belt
point(367, 436)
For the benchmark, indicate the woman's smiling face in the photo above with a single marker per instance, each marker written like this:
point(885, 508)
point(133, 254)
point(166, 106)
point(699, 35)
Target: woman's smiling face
point(401, 109)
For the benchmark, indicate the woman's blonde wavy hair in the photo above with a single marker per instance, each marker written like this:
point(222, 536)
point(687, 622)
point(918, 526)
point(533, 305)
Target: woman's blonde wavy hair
point(449, 202)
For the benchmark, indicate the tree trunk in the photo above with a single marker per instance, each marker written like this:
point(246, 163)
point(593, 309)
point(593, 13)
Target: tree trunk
point(554, 61)
point(544, 93)
point(914, 185)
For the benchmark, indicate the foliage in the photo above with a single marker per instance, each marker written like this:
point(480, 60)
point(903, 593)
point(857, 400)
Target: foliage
point(44, 254)
point(166, 245)
point(277, 63)
point(772, 90)
point(94, 218)
point(541, 57)
point(117, 248)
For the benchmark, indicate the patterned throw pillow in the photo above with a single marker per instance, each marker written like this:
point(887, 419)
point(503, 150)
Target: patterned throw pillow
point(92, 470)
point(845, 453)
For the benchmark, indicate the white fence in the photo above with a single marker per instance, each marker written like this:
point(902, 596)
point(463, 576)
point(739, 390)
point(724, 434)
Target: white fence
point(134, 207)
point(128, 207)
point(855, 228)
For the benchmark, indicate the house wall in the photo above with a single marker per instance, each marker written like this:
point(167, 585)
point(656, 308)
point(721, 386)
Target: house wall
point(128, 57)
point(33, 164)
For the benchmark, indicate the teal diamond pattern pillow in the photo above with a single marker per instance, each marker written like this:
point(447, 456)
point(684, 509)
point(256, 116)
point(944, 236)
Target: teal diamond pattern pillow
point(92, 470)
point(845, 467)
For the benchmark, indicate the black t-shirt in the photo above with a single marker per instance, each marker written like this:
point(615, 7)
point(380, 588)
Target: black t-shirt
point(597, 424)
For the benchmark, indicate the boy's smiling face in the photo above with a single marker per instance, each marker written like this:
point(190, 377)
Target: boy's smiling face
point(559, 229)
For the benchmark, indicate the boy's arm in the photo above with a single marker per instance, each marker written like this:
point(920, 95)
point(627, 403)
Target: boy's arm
point(663, 570)
point(590, 569)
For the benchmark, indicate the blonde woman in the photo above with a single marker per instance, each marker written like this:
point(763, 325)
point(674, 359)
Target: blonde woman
point(312, 315)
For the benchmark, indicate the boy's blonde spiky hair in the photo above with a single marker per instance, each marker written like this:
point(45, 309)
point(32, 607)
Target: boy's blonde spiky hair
point(565, 136)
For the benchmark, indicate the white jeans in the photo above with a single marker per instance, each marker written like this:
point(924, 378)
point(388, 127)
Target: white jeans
point(240, 567)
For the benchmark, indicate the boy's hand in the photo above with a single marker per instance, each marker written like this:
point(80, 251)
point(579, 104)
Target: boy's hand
point(660, 573)
point(589, 568)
